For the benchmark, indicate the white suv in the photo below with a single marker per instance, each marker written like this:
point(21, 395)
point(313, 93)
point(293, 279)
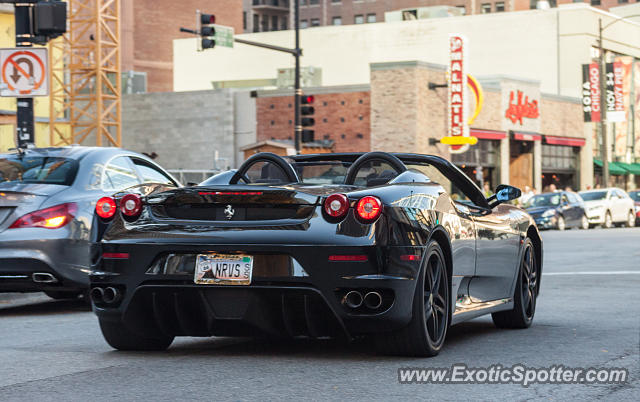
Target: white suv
point(608, 206)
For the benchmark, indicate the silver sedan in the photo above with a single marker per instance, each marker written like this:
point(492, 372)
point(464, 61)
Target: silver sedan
point(47, 201)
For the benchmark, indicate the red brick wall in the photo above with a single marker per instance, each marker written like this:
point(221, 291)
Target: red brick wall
point(156, 23)
point(275, 119)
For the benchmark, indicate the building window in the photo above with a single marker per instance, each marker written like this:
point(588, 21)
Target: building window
point(336, 20)
point(336, 1)
point(463, 10)
point(244, 20)
point(499, 6)
point(623, 1)
point(371, 18)
point(315, 22)
point(304, 24)
point(595, 2)
point(302, 2)
point(358, 19)
point(256, 23)
point(314, 2)
point(485, 8)
point(284, 23)
point(274, 23)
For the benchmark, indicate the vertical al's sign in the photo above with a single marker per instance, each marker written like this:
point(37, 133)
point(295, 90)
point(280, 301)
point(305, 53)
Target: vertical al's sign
point(457, 90)
point(591, 92)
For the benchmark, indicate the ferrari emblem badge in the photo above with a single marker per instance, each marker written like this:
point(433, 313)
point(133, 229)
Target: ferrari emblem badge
point(229, 211)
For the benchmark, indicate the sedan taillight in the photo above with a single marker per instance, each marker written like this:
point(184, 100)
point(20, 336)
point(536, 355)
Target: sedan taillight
point(49, 218)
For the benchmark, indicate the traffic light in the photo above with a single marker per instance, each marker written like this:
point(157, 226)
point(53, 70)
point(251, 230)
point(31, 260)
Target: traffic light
point(306, 111)
point(207, 31)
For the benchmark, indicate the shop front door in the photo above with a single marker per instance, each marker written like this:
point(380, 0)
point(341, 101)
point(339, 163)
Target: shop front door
point(521, 170)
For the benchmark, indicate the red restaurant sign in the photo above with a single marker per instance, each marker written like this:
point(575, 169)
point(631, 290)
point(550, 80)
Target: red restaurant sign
point(520, 106)
point(457, 91)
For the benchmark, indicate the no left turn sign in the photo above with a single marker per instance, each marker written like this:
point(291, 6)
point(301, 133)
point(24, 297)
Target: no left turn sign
point(24, 72)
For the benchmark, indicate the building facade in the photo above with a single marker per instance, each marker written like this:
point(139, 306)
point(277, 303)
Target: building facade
point(276, 15)
point(403, 115)
point(148, 28)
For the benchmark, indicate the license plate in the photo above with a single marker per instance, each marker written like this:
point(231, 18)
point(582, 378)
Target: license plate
point(223, 269)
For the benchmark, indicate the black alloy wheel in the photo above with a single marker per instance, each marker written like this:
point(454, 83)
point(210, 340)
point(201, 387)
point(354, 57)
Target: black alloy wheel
point(526, 293)
point(431, 312)
point(435, 299)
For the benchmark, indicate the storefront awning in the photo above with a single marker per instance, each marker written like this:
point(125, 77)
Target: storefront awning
point(487, 134)
point(614, 169)
point(567, 141)
point(630, 168)
point(521, 136)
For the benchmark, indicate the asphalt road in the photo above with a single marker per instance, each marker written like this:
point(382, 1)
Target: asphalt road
point(588, 316)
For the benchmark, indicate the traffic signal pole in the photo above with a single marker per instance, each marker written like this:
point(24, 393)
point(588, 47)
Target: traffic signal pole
point(25, 132)
point(298, 91)
point(295, 52)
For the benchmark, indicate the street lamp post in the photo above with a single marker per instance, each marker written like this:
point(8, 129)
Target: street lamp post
point(603, 114)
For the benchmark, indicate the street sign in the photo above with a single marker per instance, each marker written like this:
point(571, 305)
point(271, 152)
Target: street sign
point(24, 72)
point(223, 35)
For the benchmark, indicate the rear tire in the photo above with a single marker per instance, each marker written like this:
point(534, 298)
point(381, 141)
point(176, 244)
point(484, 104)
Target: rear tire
point(118, 336)
point(431, 312)
point(631, 220)
point(62, 294)
point(524, 299)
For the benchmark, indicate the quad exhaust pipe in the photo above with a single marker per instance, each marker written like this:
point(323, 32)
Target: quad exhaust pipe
point(373, 300)
point(353, 299)
point(43, 277)
point(109, 295)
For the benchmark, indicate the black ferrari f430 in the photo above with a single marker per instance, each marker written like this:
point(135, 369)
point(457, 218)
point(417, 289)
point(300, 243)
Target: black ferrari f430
point(397, 247)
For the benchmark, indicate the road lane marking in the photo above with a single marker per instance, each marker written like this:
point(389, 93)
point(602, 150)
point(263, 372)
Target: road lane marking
point(592, 273)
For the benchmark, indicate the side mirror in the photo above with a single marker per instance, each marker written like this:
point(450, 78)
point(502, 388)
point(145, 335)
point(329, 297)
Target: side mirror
point(504, 193)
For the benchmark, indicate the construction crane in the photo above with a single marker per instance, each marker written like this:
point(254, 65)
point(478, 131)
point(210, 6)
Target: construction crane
point(85, 95)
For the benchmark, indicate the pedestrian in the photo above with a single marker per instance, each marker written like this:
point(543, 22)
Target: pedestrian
point(487, 190)
point(526, 195)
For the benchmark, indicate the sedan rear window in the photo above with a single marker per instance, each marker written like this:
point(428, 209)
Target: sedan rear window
point(593, 195)
point(37, 169)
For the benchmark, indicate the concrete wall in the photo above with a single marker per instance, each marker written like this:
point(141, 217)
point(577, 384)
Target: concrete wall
point(185, 129)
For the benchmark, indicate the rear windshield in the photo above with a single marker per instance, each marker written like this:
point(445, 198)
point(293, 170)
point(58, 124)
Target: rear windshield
point(37, 169)
point(593, 195)
point(322, 172)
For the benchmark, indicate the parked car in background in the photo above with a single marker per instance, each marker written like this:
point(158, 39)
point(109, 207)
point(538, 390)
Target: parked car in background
point(47, 201)
point(635, 196)
point(609, 206)
point(558, 210)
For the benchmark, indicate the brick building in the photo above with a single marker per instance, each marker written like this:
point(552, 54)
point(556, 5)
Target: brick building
point(148, 28)
point(342, 114)
point(397, 112)
point(275, 15)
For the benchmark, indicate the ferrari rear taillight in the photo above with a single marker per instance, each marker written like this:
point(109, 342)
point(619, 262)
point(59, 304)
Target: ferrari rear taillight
point(369, 208)
point(336, 205)
point(131, 205)
point(106, 207)
point(49, 218)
